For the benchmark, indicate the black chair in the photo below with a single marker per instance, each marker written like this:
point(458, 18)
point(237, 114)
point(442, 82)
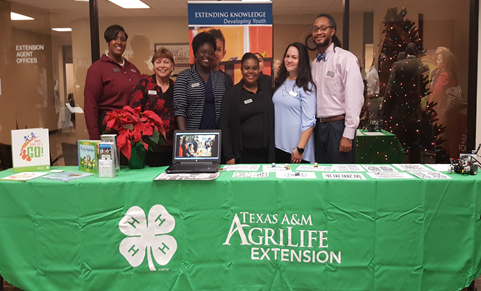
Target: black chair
point(471, 287)
point(5, 157)
point(69, 155)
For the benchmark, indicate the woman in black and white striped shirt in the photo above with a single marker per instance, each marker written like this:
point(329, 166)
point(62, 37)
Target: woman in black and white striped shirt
point(198, 91)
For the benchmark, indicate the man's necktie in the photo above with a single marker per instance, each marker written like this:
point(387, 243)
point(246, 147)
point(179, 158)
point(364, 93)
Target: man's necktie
point(321, 56)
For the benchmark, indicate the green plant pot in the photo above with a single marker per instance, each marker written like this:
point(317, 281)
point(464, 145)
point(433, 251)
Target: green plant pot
point(137, 157)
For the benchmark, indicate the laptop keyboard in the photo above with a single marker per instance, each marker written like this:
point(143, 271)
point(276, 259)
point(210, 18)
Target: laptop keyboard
point(194, 166)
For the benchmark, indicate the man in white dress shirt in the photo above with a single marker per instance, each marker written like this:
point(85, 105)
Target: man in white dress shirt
point(340, 88)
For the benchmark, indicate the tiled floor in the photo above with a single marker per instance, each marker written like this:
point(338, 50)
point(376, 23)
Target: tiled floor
point(8, 287)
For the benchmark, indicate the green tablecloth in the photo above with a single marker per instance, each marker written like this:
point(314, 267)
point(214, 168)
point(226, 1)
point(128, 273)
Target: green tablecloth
point(378, 148)
point(240, 233)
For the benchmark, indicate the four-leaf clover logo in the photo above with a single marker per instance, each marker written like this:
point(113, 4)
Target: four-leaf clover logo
point(147, 236)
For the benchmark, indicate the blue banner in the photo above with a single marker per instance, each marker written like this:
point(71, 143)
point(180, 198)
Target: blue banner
point(222, 13)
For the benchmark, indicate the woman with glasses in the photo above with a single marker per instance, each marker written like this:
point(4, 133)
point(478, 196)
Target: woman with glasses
point(247, 118)
point(109, 82)
point(295, 107)
point(198, 91)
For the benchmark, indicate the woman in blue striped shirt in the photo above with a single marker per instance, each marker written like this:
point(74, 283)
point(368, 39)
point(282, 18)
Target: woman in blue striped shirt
point(198, 91)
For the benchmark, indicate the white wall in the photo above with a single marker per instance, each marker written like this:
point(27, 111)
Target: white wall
point(478, 105)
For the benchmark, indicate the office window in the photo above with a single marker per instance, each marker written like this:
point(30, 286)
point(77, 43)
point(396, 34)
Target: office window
point(422, 95)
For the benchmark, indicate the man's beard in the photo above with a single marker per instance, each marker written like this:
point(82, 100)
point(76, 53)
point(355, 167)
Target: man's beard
point(324, 43)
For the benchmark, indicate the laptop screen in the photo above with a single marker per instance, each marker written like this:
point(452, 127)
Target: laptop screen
point(197, 145)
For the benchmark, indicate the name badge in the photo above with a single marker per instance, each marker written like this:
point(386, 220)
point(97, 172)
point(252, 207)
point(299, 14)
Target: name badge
point(116, 70)
point(292, 93)
point(247, 101)
point(330, 73)
point(195, 85)
point(152, 92)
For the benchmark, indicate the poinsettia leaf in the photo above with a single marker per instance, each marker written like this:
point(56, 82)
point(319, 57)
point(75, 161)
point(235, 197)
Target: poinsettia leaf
point(114, 115)
point(129, 126)
point(147, 130)
point(161, 142)
point(146, 145)
point(111, 123)
point(127, 149)
point(153, 117)
point(121, 139)
point(136, 135)
point(155, 136)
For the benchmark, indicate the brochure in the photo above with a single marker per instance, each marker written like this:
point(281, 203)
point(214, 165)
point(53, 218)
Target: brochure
point(315, 169)
point(431, 175)
point(275, 168)
point(113, 139)
point(107, 157)
point(412, 167)
point(67, 176)
point(250, 175)
point(348, 168)
point(25, 176)
point(193, 176)
point(297, 175)
point(379, 168)
point(390, 175)
point(252, 168)
point(343, 176)
point(87, 155)
point(30, 150)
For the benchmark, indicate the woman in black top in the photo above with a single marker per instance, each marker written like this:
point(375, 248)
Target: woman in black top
point(247, 118)
point(155, 93)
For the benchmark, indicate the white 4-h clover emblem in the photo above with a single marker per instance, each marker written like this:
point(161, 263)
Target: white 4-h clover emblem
point(147, 236)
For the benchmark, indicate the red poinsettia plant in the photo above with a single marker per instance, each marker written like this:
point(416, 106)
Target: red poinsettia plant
point(135, 129)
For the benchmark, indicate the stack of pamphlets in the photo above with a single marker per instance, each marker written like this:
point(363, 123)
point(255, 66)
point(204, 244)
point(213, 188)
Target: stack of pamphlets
point(66, 176)
point(25, 176)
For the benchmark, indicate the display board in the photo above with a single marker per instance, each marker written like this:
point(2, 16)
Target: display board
point(246, 27)
point(30, 149)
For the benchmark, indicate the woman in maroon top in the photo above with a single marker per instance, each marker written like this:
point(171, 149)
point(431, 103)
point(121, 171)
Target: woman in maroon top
point(109, 82)
point(155, 93)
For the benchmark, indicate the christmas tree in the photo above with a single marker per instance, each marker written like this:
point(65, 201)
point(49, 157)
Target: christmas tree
point(415, 130)
point(398, 32)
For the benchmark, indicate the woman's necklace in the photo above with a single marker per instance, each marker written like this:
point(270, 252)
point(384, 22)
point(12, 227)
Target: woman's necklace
point(292, 93)
point(121, 64)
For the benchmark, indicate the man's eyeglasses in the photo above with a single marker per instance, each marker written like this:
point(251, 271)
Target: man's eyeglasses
point(322, 29)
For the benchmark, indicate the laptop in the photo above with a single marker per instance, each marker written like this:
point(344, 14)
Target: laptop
point(196, 151)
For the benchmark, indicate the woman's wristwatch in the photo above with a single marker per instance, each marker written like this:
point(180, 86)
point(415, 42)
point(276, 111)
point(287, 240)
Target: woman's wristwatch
point(300, 150)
